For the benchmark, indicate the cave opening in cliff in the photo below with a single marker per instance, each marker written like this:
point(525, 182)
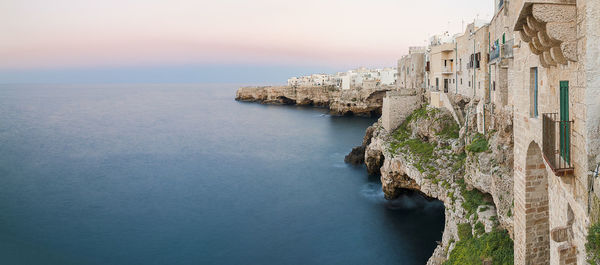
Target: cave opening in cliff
point(286, 100)
point(376, 113)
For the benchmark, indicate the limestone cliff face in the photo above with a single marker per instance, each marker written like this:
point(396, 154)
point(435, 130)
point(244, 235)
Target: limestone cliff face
point(491, 171)
point(426, 154)
point(359, 101)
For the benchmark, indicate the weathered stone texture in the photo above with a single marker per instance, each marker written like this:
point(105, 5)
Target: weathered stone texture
point(396, 107)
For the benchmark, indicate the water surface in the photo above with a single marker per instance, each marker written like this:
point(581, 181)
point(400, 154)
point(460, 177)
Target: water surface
point(183, 174)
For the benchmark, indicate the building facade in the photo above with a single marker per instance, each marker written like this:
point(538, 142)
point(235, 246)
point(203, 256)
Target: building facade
point(411, 70)
point(536, 62)
point(556, 91)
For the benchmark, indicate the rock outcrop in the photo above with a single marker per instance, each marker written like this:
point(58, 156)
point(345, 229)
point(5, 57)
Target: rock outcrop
point(357, 155)
point(427, 154)
point(357, 101)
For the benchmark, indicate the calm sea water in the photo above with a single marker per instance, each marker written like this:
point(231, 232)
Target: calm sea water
point(183, 174)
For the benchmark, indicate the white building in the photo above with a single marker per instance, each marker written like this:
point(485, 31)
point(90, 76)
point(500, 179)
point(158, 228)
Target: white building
point(350, 79)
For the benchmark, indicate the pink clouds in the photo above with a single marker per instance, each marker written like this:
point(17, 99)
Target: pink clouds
point(69, 33)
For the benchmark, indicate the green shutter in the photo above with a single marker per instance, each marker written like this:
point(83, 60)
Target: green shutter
point(503, 38)
point(535, 95)
point(565, 130)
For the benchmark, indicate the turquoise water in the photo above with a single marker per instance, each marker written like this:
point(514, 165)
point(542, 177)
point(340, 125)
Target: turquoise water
point(183, 174)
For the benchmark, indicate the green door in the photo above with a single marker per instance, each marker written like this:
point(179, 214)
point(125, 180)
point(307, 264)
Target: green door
point(565, 130)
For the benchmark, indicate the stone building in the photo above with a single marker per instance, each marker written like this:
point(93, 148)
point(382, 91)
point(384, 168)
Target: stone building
point(537, 62)
point(411, 70)
point(555, 85)
point(501, 42)
point(472, 50)
point(441, 66)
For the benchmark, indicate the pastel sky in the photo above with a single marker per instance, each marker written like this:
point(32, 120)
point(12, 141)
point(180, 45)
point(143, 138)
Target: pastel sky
point(45, 37)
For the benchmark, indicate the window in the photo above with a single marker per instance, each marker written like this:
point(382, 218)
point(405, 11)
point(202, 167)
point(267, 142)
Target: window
point(437, 83)
point(533, 92)
point(494, 85)
point(461, 81)
point(469, 83)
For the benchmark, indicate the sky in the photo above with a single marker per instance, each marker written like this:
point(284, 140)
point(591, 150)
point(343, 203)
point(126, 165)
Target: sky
point(62, 41)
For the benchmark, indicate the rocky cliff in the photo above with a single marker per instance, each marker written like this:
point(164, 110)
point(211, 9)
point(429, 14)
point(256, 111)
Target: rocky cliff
point(357, 101)
point(428, 153)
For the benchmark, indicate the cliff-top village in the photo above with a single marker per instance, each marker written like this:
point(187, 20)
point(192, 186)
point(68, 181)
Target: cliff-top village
point(528, 84)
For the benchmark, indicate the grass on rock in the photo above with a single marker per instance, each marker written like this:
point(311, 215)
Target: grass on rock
point(495, 246)
point(593, 244)
point(478, 144)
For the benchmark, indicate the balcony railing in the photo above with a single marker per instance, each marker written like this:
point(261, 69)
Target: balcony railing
point(507, 49)
point(494, 53)
point(557, 144)
point(447, 69)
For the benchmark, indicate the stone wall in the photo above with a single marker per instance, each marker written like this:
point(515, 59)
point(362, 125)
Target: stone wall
point(396, 107)
point(441, 100)
point(566, 196)
point(411, 74)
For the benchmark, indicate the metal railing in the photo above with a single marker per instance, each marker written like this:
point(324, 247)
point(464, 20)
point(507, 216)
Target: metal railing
point(507, 49)
point(494, 52)
point(557, 143)
point(447, 69)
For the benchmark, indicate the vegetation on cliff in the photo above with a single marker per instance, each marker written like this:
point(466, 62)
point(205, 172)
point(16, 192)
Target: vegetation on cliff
point(593, 244)
point(478, 144)
point(430, 137)
point(495, 246)
point(427, 144)
point(472, 198)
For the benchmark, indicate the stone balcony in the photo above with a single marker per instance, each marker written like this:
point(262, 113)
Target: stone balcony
point(557, 144)
point(550, 29)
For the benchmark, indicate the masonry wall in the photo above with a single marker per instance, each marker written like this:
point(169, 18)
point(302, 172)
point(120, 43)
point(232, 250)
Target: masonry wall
point(592, 93)
point(567, 196)
point(411, 72)
point(396, 107)
point(437, 56)
point(499, 30)
point(464, 74)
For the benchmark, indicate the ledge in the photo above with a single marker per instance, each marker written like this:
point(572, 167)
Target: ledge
point(550, 29)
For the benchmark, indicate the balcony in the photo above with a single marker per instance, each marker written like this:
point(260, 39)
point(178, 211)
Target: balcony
point(507, 49)
point(494, 53)
point(557, 144)
point(447, 70)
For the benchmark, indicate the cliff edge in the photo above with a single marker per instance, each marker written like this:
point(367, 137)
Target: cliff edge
point(357, 101)
point(430, 153)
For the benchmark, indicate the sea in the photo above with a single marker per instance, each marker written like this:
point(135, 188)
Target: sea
point(184, 174)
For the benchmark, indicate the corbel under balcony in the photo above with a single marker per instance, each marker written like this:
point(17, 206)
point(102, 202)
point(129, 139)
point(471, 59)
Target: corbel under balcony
point(550, 29)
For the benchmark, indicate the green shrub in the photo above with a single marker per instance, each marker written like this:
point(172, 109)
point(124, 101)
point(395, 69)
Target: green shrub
point(479, 229)
point(478, 144)
point(472, 198)
point(464, 231)
point(450, 130)
point(460, 162)
point(495, 245)
point(593, 244)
